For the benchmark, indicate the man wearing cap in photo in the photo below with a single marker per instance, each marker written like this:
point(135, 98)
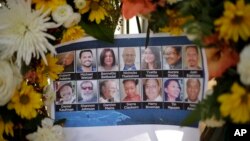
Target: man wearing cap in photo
point(65, 93)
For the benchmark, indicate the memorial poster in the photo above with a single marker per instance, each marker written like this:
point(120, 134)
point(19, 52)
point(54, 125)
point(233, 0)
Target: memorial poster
point(128, 83)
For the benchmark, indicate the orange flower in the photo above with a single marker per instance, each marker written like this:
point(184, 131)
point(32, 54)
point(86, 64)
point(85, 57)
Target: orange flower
point(220, 58)
point(130, 8)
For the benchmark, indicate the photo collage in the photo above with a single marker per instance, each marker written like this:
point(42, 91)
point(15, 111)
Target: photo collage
point(114, 78)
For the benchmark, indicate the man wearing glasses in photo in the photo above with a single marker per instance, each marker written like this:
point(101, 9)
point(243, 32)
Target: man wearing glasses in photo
point(172, 55)
point(87, 94)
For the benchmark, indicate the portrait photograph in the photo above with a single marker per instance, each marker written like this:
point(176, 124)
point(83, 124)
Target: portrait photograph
point(130, 90)
point(152, 90)
point(67, 60)
point(65, 92)
point(86, 60)
point(151, 58)
point(87, 91)
point(129, 58)
point(193, 90)
point(173, 89)
point(192, 57)
point(108, 59)
point(172, 57)
point(109, 91)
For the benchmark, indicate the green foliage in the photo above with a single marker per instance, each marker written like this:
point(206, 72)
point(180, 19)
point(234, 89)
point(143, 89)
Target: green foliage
point(158, 19)
point(193, 117)
point(210, 106)
point(203, 12)
point(105, 30)
point(99, 31)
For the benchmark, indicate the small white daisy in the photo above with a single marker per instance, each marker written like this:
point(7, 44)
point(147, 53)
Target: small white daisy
point(48, 132)
point(62, 13)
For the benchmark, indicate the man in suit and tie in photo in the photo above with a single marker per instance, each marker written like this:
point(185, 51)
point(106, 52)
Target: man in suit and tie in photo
point(128, 56)
point(193, 86)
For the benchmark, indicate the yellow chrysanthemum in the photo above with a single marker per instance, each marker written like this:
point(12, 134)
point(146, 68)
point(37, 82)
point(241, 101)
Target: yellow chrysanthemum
point(235, 22)
point(236, 104)
point(8, 128)
point(48, 4)
point(86, 8)
point(26, 102)
point(48, 71)
point(97, 13)
point(72, 33)
point(175, 23)
point(1, 129)
point(172, 30)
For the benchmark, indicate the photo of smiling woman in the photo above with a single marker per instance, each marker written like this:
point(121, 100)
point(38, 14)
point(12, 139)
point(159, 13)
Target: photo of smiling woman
point(173, 90)
point(152, 90)
point(108, 61)
point(151, 58)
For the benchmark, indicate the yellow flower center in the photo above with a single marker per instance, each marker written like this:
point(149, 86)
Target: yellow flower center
point(238, 18)
point(244, 98)
point(24, 99)
point(82, 3)
point(94, 6)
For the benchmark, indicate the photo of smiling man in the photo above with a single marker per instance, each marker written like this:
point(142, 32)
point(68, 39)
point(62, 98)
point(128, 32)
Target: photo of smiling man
point(172, 56)
point(87, 61)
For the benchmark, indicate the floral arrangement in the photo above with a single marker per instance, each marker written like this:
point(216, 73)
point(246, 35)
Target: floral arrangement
point(29, 29)
point(223, 29)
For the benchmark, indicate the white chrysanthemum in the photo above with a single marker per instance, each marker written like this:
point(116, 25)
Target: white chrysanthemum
point(62, 13)
point(213, 122)
point(10, 78)
point(48, 132)
point(23, 31)
point(244, 66)
point(47, 123)
point(80, 3)
point(73, 20)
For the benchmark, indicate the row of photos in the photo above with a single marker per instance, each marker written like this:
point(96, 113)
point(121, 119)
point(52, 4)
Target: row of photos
point(120, 94)
point(139, 56)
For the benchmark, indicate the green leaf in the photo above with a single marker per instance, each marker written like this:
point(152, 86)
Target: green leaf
point(99, 31)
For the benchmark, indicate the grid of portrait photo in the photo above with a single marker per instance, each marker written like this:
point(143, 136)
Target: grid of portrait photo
point(133, 77)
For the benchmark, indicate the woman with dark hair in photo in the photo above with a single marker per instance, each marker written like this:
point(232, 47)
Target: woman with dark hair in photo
point(107, 60)
point(172, 89)
point(152, 90)
point(131, 91)
point(151, 58)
